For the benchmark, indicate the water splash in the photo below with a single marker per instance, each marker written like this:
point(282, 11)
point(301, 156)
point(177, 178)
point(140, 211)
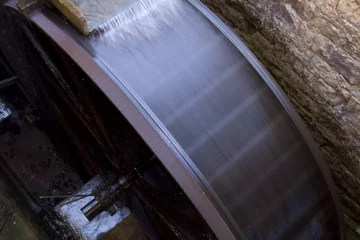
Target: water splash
point(142, 20)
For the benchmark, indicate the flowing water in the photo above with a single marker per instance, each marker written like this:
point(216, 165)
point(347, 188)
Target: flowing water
point(141, 21)
point(100, 11)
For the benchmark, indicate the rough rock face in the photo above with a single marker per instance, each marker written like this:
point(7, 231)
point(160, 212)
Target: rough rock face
point(312, 48)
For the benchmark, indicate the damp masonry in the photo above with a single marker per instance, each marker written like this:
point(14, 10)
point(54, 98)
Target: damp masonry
point(312, 48)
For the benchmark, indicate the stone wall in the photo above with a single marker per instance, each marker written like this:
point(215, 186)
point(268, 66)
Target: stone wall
point(312, 48)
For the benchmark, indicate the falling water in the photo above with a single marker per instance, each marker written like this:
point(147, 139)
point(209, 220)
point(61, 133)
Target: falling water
point(142, 20)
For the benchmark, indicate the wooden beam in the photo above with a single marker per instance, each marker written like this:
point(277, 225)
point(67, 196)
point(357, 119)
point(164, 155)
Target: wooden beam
point(8, 82)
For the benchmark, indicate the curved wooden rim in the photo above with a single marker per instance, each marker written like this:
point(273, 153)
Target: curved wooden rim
point(157, 139)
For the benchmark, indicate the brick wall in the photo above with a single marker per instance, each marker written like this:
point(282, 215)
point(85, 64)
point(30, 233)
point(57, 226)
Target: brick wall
point(312, 48)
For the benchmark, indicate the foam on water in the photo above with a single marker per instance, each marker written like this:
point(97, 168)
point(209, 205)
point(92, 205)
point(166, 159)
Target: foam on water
point(142, 20)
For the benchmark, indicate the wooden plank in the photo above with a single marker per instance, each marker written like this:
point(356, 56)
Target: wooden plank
point(8, 82)
point(88, 15)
